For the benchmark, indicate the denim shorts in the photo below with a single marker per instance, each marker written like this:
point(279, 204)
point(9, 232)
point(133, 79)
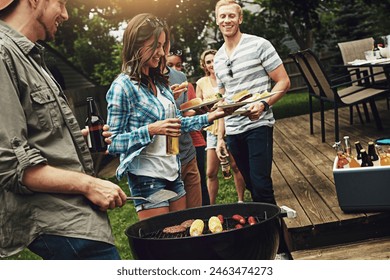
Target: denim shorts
point(145, 186)
point(211, 140)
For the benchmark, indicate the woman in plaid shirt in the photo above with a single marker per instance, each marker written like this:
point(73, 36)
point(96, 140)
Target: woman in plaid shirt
point(138, 100)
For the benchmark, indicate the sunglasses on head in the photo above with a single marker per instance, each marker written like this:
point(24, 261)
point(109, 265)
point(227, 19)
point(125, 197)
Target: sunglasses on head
point(177, 53)
point(229, 65)
point(155, 22)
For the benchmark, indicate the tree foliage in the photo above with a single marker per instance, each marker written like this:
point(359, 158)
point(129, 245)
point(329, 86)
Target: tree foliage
point(87, 37)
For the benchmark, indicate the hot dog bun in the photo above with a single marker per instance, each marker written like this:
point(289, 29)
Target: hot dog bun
point(193, 102)
point(183, 85)
point(241, 96)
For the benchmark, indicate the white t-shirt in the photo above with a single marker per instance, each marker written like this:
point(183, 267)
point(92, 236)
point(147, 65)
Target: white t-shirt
point(251, 61)
point(153, 161)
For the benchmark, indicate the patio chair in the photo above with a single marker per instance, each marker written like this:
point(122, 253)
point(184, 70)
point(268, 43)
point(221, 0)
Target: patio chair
point(352, 50)
point(342, 94)
point(314, 91)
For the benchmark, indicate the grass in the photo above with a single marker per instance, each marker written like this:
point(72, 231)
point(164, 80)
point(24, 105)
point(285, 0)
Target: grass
point(291, 104)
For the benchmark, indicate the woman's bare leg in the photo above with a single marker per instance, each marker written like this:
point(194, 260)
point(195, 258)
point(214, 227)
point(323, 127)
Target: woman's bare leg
point(238, 179)
point(212, 168)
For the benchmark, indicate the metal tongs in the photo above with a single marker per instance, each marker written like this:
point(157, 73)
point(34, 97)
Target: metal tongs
point(157, 197)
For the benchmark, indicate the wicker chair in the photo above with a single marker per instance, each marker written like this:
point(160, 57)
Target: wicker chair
point(325, 90)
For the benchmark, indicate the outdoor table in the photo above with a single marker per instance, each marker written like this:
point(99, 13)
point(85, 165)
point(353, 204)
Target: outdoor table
point(371, 65)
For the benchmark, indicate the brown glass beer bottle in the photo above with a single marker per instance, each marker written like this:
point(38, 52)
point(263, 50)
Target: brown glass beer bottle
point(358, 149)
point(94, 123)
point(371, 151)
point(366, 161)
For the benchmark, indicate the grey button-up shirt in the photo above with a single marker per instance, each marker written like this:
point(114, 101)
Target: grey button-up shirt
point(38, 127)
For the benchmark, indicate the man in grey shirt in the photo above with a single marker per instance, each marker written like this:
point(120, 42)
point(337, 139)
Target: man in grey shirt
point(46, 182)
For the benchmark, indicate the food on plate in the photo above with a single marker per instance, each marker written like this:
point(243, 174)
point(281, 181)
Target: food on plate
point(174, 229)
point(239, 218)
point(183, 85)
point(241, 96)
point(187, 223)
point(197, 227)
point(257, 96)
point(251, 220)
point(191, 103)
point(215, 224)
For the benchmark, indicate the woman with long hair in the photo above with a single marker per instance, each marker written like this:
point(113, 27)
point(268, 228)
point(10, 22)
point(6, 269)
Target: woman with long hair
point(207, 90)
point(139, 100)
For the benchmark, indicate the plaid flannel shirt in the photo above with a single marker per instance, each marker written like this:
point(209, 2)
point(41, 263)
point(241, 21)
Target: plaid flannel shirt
point(131, 108)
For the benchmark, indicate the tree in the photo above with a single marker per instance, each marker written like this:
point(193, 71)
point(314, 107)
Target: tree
point(300, 18)
point(85, 39)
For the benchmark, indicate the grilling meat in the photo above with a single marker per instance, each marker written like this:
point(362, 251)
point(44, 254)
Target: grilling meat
point(174, 229)
point(187, 223)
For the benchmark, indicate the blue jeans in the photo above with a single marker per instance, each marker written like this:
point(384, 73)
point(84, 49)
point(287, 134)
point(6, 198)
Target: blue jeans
point(55, 247)
point(252, 151)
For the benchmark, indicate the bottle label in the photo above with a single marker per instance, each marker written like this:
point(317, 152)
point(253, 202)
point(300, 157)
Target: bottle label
point(89, 142)
point(96, 127)
point(95, 139)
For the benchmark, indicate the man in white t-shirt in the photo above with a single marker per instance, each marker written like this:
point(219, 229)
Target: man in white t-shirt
point(248, 62)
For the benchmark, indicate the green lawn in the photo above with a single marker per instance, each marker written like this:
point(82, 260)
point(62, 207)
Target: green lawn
point(291, 104)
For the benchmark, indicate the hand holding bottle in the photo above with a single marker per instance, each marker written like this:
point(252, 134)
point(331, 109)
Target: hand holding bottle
point(221, 150)
point(94, 125)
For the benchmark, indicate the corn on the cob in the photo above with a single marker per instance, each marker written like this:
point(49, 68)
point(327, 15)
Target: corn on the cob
point(197, 227)
point(215, 224)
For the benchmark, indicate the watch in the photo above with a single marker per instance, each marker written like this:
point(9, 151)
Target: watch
point(266, 105)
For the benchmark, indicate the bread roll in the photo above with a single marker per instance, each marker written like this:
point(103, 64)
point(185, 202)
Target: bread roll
point(183, 85)
point(193, 102)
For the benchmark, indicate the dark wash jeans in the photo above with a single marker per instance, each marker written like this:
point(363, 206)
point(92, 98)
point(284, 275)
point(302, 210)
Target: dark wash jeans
point(252, 151)
point(55, 247)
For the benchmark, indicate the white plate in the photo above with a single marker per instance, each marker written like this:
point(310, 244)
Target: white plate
point(239, 112)
point(208, 103)
point(245, 102)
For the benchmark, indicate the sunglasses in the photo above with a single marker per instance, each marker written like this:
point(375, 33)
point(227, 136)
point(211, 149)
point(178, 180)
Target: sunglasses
point(177, 53)
point(155, 22)
point(229, 65)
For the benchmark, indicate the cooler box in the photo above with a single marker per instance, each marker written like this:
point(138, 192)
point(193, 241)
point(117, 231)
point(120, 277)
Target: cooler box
point(364, 189)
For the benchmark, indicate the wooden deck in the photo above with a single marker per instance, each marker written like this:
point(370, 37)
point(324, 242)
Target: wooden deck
point(303, 180)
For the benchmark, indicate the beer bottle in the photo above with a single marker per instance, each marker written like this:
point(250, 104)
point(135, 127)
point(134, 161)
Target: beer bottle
point(347, 146)
point(384, 158)
point(172, 142)
point(371, 151)
point(342, 160)
point(94, 123)
point(366, 161)
point(358, 149)
point(353, 162)
point(225, 166)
